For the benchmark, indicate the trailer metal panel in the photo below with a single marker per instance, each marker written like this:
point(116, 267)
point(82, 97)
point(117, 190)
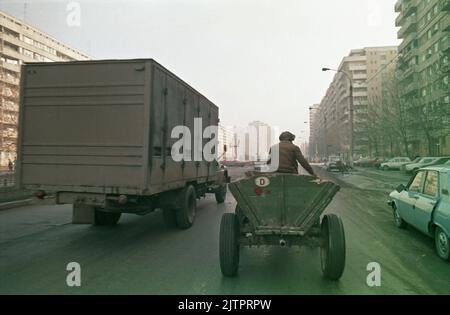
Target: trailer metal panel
point(105, 127)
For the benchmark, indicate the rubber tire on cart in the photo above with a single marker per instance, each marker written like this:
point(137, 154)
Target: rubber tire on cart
point(185, 214)
point(442, 243)
point(332, 251)
point(229, 245)
point(221, 193)
point(399, 222)
point(170, 218)
point(103, 218)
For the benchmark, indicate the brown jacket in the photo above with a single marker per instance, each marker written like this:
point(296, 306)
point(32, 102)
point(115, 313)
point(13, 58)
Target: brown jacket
point(290, 154)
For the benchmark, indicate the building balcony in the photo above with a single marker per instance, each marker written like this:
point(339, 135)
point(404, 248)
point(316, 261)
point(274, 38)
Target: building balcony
point(446, 23)
point(409, 7)
point(399, 20)
point(398, 6)
point(406, 41)
point(408, 55)
point(12, 81)
point(411, 88)
point(9, 66)
point(409, 26)
point(407, 73)
point(445, 5)
point(446, 46)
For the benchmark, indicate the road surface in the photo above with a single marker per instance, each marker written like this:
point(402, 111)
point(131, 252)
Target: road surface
point(141, 255)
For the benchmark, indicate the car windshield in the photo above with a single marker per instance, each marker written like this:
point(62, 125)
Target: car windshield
point(424, 161)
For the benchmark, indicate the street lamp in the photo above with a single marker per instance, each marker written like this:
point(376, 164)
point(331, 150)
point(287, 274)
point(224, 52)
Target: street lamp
point(351, 111)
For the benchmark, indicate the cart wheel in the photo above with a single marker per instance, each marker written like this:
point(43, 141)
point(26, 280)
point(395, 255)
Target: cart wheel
point(185, 215)
point(221, 194)
point(170, 218)
point(229, 245)
point(332, 252)
point(106, 218)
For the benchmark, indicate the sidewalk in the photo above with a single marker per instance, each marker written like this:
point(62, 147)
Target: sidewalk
point(368, 179)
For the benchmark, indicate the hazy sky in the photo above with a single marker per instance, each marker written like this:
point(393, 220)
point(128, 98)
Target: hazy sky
point(255, 59)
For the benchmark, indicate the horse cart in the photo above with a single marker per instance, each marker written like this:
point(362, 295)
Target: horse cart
point(282, 210)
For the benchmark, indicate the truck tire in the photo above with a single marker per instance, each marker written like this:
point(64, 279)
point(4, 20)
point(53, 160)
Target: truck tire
point(229, 245)
point(185, 214)
point(332, 251)
point(170, 218)
point(104, 218)
point(221, 194)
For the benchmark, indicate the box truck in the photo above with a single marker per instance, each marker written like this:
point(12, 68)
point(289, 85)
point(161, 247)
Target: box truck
point(98, 135)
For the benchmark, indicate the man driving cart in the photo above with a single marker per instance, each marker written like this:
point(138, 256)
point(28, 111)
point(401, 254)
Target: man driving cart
point(289, 155)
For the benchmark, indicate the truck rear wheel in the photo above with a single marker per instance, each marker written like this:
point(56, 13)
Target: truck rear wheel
point(221, 193)
point(170, 218)
point(106, 218)
point(229, 245)
point(185, 214)
point(332, 251)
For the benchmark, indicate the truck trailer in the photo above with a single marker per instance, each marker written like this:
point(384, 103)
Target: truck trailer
point(98, 135)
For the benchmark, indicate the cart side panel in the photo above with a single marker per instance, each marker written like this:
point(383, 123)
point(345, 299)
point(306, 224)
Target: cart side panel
point(286, 200)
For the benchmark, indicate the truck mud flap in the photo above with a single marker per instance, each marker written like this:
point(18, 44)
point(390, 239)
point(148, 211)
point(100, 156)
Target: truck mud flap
point(83, 214)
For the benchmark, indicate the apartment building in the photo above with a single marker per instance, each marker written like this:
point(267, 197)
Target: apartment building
point(423, 71)
point(313, 131)
point(226, 140)
point(19, 43)
point(365, 70)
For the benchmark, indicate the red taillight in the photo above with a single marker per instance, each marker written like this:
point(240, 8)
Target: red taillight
point(258, 191)
point(40, 194)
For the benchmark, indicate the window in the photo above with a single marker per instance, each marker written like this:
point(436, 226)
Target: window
point(416, 184)
point(431, 184)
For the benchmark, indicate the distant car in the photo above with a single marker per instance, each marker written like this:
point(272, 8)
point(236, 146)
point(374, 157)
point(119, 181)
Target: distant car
point(428, 161)
point(363, 162)
point(333, 164)
point(395, 163)
point(425, 204)
point(416, 160)
point(261, 167)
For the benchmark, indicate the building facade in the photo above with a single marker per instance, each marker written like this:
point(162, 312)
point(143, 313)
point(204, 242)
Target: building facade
point(19, 43)
point(331, 131)
point(423, 74)
point(227, 142)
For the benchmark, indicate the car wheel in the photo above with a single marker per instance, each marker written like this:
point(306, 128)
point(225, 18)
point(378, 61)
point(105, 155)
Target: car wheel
point(221, 194)
point(332, 250)
point(385, 168)
point(229, 245)
point(442, 243)
point(399, 222)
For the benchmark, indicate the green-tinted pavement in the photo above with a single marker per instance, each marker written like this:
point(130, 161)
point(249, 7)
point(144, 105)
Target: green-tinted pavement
point(140, 255)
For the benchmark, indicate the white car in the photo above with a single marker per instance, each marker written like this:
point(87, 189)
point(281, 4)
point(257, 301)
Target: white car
point(426, 161)
point(395, 163)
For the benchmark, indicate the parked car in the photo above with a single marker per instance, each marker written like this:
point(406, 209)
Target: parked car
point(377, 163)
point(395, 163)
point(416, 160)
point(428, 161)
point(362, 162)
point(425, 205)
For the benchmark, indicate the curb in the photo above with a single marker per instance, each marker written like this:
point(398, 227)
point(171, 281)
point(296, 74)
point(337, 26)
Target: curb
point(15, 204)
